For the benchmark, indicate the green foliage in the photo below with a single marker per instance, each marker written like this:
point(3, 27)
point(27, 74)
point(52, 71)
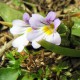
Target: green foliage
point(63, 77)
point(9, 14)
point(64, 33)
point(8, 74)
point(47, 72)
point(27, 77)
point(44, 79)
point(14, 62)
point(76, 75)
point(62, 28)
point(38, 75)
point(76, 27)
point(61, 66)
point(60, 50)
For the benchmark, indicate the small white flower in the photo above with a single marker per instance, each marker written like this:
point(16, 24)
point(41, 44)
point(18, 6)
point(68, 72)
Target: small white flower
point(45, 28)
point(41, 28)
point(21, 27)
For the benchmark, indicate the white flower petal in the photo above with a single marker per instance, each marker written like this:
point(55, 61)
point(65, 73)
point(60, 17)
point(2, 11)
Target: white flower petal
point(35, 43)
point(54, 38)
point(17, 30)
point(18, 23)
point(34, 34)
point(20, 48)
point(18, 27)
point(20, 42)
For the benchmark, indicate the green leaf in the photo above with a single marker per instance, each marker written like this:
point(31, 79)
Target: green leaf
point(62, 28)
point(9, 14)
point(76, 32)
point(76, 27)
point(27, 77)
point(8, 74)
point(60, 50)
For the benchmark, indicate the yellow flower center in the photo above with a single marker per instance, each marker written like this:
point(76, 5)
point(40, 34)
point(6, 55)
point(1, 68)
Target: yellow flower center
point(48, 29)
point(29, 29)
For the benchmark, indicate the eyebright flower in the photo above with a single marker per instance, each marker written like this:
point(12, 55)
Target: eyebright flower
point(44, 28)
point(21, 27)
